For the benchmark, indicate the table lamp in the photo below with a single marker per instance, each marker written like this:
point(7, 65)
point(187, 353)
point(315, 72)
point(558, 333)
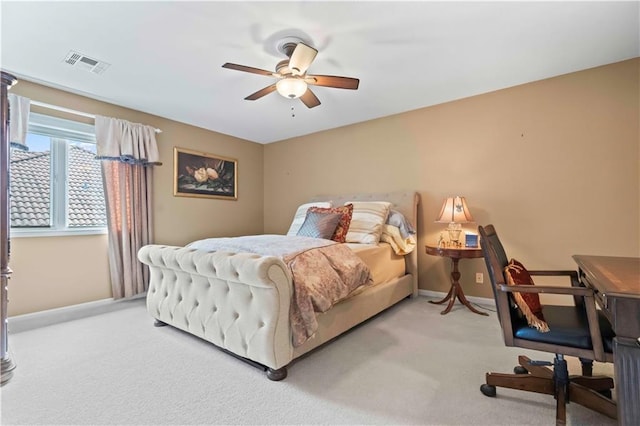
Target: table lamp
point(454, 212)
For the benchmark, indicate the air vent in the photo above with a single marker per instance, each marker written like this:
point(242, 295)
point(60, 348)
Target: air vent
point(84, 62)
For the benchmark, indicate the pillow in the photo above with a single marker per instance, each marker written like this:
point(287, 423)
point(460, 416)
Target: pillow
point(398, 220)
point(367, 220)
point(528, 303)
point(319, 224)
point(301, 213)
point(340, 234)
point(400, 245)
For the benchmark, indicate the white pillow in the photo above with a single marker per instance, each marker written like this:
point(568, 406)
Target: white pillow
point(367, 220)
point(301, 213)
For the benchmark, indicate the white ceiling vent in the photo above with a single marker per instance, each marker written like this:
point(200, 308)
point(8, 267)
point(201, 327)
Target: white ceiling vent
point(84, 62)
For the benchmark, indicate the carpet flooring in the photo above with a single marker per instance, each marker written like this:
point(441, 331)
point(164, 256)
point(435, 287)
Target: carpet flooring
point(408, 365)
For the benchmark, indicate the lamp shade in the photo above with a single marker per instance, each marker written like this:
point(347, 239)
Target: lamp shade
point(291, 88)
point(454, 210)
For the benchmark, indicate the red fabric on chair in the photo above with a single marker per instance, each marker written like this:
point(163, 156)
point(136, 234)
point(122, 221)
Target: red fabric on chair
point(528, 303)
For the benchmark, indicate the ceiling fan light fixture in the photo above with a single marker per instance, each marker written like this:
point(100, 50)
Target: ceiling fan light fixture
point(291, 88)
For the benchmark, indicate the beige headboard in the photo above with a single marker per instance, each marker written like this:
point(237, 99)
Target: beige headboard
point(406, 202)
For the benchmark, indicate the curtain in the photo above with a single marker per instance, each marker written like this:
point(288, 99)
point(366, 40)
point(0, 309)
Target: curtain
point(19, 121)
point(128, 151)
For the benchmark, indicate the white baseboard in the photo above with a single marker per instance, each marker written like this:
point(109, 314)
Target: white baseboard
point(477, 300)
point(19, 323)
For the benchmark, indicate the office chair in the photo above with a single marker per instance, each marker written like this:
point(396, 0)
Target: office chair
point(578, 330)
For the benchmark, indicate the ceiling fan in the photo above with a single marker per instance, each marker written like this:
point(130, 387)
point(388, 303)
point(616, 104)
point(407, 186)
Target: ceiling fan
point(293, 80)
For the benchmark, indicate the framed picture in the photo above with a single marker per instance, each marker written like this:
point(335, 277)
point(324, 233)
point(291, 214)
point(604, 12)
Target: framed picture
point(198, 174)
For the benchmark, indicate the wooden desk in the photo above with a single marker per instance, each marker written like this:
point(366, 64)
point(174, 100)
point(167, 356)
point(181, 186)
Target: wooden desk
point(616, 283)
point(455, 292)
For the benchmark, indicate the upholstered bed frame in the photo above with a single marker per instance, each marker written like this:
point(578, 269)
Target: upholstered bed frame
point(240, 301)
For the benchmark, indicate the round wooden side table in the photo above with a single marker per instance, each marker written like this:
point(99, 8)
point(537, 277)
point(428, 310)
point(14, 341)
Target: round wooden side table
point(455, 292)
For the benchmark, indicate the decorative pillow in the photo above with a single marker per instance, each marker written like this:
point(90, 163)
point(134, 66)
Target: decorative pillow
point(301, 214)
point(528, 303)
point(398, 220)
point(319, 224)
point(340, 234)
point(367, 220)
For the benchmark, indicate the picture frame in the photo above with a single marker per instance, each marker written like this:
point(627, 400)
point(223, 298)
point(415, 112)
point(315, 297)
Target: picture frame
point(199, 174)
point(471, 240)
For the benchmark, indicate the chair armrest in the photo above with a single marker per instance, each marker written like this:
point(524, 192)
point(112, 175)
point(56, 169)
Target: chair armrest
point(552, 289)
point(573, 275)
point(586, 294)
point(569, 273)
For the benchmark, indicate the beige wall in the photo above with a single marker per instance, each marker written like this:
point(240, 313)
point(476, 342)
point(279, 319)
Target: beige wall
point(565, 180)
point(51, 272)
point(552, 164)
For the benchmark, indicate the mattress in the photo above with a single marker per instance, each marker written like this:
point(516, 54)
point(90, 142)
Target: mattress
point(385, 265)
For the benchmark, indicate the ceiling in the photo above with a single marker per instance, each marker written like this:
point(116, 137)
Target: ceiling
point(165, 57)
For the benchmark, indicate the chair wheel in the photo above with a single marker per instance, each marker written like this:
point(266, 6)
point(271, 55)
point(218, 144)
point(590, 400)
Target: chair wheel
point(488, 390)
point(518, 369)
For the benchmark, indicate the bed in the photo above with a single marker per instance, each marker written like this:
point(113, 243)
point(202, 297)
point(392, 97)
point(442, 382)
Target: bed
point(241, 301)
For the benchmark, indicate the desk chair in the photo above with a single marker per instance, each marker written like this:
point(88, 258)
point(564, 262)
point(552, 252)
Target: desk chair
point(578, 330)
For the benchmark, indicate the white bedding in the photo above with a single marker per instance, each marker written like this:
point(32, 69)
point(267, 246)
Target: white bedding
point(381, 258)
point(266, 245)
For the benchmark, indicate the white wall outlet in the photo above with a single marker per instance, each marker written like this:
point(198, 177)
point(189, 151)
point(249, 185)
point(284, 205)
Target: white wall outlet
point(479, 277)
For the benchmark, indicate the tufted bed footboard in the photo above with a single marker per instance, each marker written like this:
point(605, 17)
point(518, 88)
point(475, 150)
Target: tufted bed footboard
point(240, 302)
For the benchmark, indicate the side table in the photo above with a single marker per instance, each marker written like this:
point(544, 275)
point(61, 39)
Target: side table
point(455, 292)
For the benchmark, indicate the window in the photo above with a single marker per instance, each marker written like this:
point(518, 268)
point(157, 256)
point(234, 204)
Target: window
point(56, 186)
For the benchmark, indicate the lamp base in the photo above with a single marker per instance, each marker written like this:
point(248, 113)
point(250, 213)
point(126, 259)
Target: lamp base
point(6, 367)
point(454, 230)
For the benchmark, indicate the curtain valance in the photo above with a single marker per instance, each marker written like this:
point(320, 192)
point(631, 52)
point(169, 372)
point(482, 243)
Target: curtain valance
point(18, 121)
point(121, 140)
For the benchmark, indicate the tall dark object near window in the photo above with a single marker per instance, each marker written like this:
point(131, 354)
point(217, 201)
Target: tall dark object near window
point(7, 367)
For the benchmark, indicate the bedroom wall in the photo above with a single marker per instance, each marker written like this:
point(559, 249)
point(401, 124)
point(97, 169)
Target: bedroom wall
point(50, 272)
point(552, 164)
point(565, 180)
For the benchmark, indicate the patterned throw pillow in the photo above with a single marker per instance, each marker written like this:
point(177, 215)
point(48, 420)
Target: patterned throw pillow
point(528, 303)
point(319, 224)
point(340, 234)
point(301, 214)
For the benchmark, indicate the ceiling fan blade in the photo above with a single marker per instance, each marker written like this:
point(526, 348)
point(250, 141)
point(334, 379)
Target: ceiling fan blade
point(260, 93)
point(301, 58)
point(310, 99)
point(333, 81)
point(247, 69)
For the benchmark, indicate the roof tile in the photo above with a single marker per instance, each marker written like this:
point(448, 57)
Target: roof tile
point(30, 189)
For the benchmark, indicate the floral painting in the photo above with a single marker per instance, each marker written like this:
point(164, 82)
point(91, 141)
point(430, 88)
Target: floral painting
point(197, 174)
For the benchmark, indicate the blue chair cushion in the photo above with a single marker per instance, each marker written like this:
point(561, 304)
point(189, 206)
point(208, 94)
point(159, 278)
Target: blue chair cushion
point(568, 326)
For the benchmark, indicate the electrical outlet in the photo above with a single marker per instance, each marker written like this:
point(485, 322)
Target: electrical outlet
point(479, 277)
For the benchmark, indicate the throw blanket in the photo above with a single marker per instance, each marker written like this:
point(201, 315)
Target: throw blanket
point(323, 272)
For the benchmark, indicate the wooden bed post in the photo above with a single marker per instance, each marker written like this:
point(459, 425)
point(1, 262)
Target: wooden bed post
point(7, 365)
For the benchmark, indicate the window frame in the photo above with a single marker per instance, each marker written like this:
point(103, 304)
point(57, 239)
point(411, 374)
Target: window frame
point(61, 132)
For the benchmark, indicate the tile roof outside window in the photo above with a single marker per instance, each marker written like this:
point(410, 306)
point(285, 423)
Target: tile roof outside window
point(86, 194)
point(30, 188)
point(31, 192)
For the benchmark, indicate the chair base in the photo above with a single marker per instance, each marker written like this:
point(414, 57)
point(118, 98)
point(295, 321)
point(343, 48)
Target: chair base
point(588, 391)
